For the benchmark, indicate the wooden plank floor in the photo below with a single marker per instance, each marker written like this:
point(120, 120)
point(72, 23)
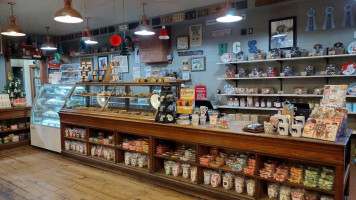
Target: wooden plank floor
point(31, 173)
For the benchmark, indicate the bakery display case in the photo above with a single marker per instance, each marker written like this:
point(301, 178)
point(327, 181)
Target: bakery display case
point(45, 123)
point(129, 100)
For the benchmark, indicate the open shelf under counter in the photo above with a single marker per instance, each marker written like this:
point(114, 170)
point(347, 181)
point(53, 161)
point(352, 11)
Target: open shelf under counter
point(162, 173)
point(288, 77)
point(76, 139)
point(231, 192)
point(15, 144)
point(16, 130)
point(296, 185)
point(227, 169)
point(104, 145)
point(291, 59)
point(248, 108)
point(132, 151)
point(142, 169)
point(176, 160)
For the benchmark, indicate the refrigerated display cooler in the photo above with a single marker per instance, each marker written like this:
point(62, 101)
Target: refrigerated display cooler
point(45, 123)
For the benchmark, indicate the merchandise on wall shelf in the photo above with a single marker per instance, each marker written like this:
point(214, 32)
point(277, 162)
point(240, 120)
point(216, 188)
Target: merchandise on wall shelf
point(99, 151)
point(86, 66)
point(136, 160)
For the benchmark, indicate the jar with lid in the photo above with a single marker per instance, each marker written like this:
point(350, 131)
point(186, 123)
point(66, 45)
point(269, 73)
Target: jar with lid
point(207, 177)
point(263, 103)
point(256, 101)
point(186, 170)
point(239, 184)
point(278, 103)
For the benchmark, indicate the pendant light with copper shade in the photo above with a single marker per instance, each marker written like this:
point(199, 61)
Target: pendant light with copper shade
point(68, 14)
point(48, 45)
point(144, 28)
point(228, 14)
point(12, 29)
point(87, 38)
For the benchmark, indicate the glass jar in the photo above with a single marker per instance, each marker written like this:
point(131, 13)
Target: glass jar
point(194, 174)
point(269, 103)
point(186, 170)
point(207, 177)
point(263, 103)
point(250, 185)
point(228, 181)
point(278, 103)
point(239, 184)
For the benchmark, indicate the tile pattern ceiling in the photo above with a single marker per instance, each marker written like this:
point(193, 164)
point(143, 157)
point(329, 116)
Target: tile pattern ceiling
point(34, 15)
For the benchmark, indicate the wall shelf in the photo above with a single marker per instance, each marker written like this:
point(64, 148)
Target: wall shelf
point(97, 54)
point(289, 77)
point(282, 95)
point(290, 59)
point(248, 108)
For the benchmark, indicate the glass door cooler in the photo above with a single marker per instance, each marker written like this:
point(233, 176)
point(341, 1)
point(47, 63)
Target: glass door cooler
point(45, 123)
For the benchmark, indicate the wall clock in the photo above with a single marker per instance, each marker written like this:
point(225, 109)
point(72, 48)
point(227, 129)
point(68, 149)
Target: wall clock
point(183, 43)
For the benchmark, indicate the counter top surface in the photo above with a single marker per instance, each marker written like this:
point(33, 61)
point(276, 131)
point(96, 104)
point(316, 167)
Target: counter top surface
point(15, 108)
point(235, 127)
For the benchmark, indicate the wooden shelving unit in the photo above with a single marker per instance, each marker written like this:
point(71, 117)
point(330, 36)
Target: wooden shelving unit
point(97, 54)
point(292, 59)
point(262, 147)
point(14, 116)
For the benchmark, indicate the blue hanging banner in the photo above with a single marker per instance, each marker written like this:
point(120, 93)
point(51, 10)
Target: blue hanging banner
point(329, 18)
point(348, 19)
point(311, 24)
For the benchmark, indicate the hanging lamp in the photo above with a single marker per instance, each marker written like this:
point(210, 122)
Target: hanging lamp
point(48, 45)
point(12, 29)
point(228, 14)
point(164, 35)
point(87, 38)
point(144, 28)
point(68, 14)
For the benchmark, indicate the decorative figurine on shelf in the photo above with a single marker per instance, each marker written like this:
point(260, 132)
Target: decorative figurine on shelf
point(271, 72)
point(230, 73)
point(288, 71)
point(331, 69)
point(310, 70)
point(318, 91)
point(339, 48)
point(255, 73)
point(243, 73)
point(240, 56)
point(275, 54)
point(258, 55)
point(295, 52)
point(317, 51)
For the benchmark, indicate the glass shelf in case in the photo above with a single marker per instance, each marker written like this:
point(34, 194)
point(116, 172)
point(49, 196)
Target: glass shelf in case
point(48, 103)
point(129, 100)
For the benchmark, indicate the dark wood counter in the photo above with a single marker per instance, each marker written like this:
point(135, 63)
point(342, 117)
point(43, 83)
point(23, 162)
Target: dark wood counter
point(311, 151)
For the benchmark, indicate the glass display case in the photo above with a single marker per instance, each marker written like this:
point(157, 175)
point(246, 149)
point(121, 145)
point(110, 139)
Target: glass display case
point(48, 103)
point(125, 99)
point(70, 73)
point(45, 123)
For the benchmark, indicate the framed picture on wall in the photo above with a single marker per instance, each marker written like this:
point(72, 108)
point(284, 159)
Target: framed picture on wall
point(102, 61)
point(185, 65)
point(183, 42)
point(196, 35)
point(198, 64)
point(283, 33)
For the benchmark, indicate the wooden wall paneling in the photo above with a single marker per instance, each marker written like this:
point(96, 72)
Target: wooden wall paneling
point(43, 72)
point(154, 50)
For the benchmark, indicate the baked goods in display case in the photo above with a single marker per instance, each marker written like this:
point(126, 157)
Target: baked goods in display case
point(131, 100)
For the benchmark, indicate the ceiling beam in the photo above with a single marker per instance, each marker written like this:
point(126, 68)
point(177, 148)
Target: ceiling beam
point(260, 3)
